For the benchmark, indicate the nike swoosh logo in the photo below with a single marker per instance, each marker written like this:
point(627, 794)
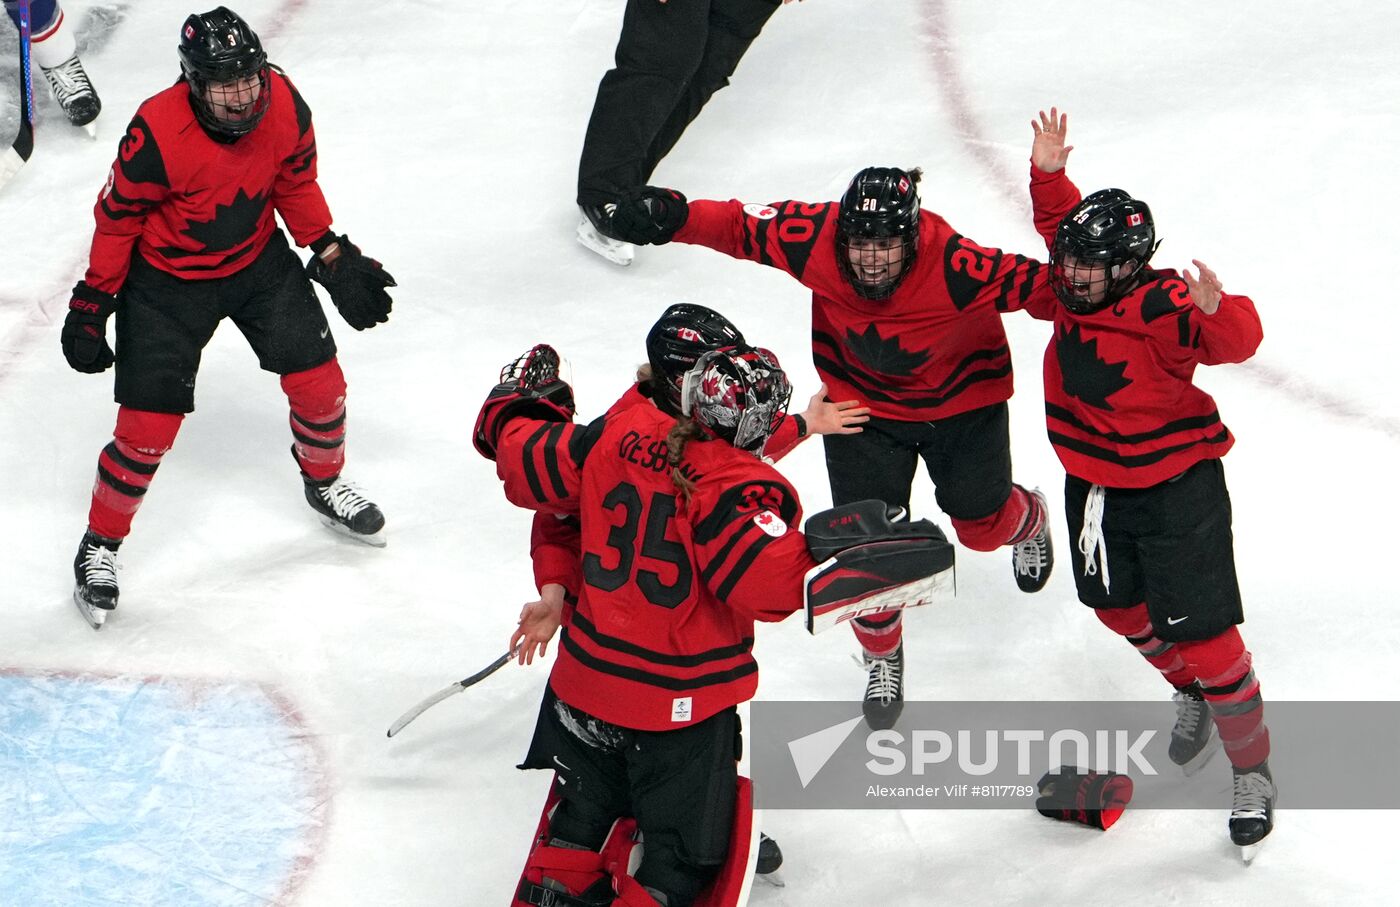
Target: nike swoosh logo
point(1173, 621)
point(560, 764)
point(324, 331)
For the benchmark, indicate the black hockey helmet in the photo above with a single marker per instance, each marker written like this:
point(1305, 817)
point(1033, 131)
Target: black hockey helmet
point(738, 394)
point(1108, 229)
point(218, 47)
point(881, 202)
point(682, 334)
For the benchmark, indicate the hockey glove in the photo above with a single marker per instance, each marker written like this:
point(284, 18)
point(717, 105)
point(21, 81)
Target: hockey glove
point(84, 335)
point(870, 564)
point(649, 216)
point(356, 284)
point(1091, 798)
point(530, 386)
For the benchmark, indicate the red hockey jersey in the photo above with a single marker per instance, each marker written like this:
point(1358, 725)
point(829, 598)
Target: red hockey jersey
point(934, 349)
point(1119, 403)
point(200, 208)
point(555, 539)
point(663, 630)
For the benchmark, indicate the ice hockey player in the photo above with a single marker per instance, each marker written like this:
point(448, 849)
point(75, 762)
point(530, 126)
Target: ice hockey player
point(688, 537)
point(56, 51)
point(1145, 493)
point(906, 318)
point(185, 238)
point(683, 333)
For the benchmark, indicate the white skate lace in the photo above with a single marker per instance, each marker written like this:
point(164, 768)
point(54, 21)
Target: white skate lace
point(1028, 557)
point(1091, 536)
point(1253, 792)
point(344, 499)
point(1189, 712)
point(68, 80)
point(100, 566)
point(884, 682)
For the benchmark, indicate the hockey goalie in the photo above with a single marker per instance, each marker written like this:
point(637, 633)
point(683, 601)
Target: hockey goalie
point(687, 537)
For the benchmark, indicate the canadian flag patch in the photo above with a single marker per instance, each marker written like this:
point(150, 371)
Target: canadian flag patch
point(770, 523)
point(762, 212)
point(1134, 220)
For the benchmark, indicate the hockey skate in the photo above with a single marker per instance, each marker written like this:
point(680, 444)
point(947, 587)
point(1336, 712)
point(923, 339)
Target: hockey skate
point(884, 689)
point(593, 239)
point(769, 861)
point(1034, 558)
point(95, 573)
point(1252, 817)
point(344, 509)
point(1194, 739)
point(74, 92)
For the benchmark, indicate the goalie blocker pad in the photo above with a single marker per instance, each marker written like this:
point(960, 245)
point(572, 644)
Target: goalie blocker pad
point(622, 854)
point(872, 564)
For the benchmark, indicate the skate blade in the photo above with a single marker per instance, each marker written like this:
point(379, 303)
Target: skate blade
point(1199, 762)
point(96, 617)
point(91, 129)
point(1249, 851)
point(619, 253)
point(377, 540)
point(774, 878)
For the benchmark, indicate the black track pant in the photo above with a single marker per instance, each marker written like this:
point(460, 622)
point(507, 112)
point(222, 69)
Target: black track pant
point(670, 58)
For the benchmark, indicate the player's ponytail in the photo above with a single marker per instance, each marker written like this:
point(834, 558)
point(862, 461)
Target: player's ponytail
point(683, 431)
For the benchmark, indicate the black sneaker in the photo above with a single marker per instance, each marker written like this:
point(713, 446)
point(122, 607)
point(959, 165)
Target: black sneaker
point(345, 510)
point(1194, 739)
point(95, 576)
point(1034, 558)
point(884, 689)
point(1252, 817)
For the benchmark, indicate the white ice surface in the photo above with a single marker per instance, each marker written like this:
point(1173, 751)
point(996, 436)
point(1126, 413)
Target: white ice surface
point(1263, 135)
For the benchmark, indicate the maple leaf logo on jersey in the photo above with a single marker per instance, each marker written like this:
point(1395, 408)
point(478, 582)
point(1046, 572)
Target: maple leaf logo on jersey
point(881, 355)
point(1084, 374)
point(232, 225)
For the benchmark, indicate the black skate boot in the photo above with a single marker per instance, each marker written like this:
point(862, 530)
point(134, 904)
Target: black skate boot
point(74, 92)
point(1034, 558)
point(95, 573)
point(884, 690)
point(770, 855)
point(1194, 739)
point(1252, 817)
point(345, 510)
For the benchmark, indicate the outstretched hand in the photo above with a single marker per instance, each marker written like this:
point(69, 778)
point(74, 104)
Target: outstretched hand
point(824, 417)
point(1206, 289)
point(538, 622)
point(1049, 151)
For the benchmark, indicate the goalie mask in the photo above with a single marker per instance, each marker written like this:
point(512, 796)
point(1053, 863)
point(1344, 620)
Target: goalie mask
point(1101, 248)
point(682, 334)
point(877, 230)
point(739, 395)
point(224, 62)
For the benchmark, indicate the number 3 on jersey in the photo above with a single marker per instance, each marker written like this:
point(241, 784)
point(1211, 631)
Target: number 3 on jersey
point(654, 518)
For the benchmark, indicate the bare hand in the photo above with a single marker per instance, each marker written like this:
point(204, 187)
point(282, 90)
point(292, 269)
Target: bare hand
point(538, 622)
point(1049, 151)
point(1205, 290)
point(824, 417)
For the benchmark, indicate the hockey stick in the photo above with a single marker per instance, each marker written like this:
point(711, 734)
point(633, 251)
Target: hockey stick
point(23, 146)
point(446, 692)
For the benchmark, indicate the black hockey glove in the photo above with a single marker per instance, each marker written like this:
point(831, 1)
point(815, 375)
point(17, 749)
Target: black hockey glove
point(356, 284)
point(1091, 798)
point(530, 387)
point(649, 216)
point(84, 335)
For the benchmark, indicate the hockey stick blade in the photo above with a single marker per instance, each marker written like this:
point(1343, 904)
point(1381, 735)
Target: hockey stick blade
point(446, 692)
